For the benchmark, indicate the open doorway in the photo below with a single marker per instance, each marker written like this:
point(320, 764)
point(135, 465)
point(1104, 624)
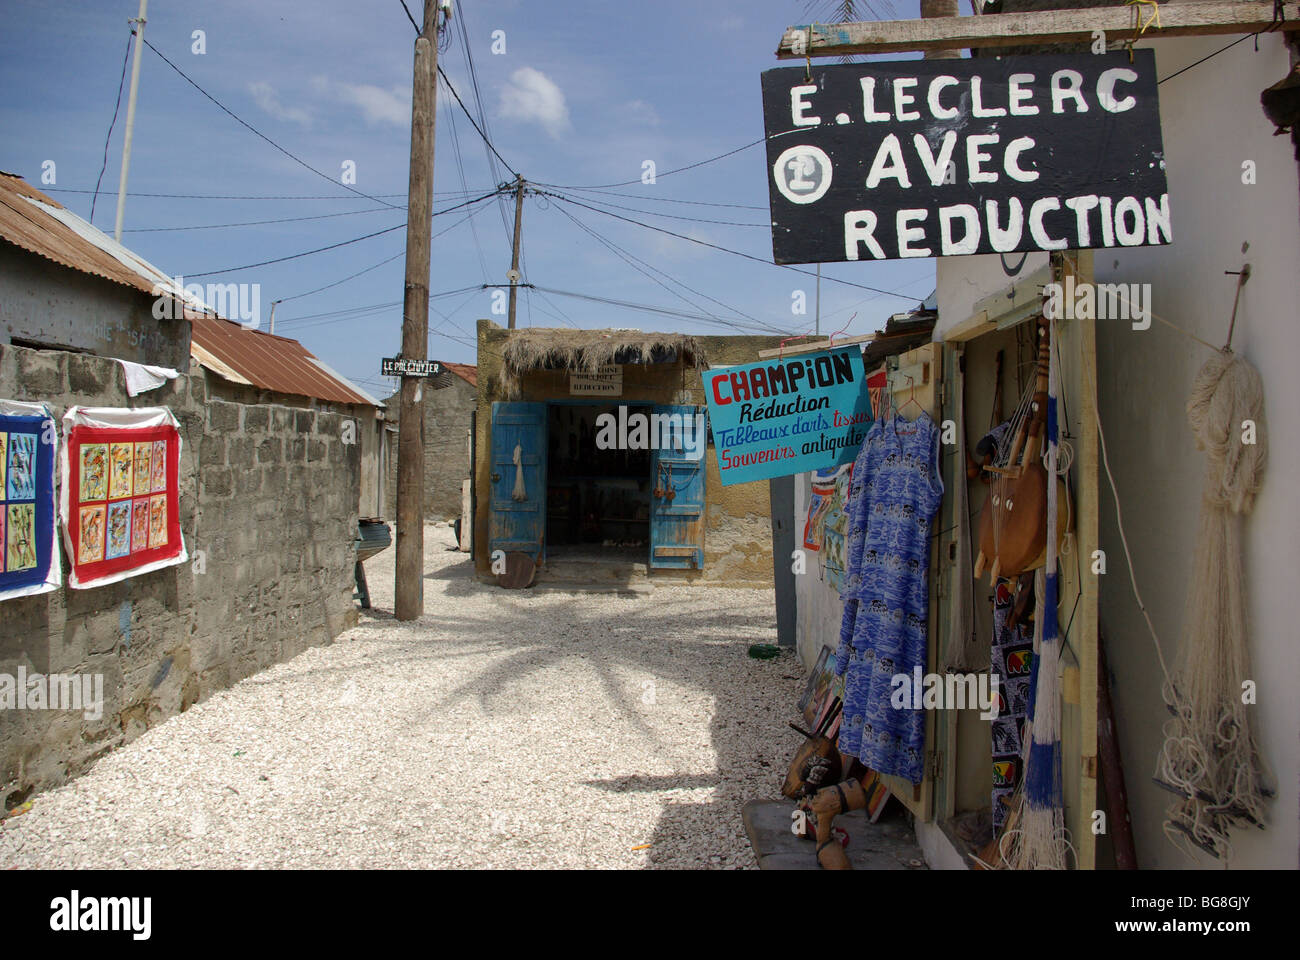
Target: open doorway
point(598, 502)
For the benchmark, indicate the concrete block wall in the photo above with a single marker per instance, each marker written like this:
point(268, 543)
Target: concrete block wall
point(268, 509)
point(448, 415)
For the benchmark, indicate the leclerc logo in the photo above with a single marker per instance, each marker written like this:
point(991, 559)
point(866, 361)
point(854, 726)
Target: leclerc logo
point(78, 913)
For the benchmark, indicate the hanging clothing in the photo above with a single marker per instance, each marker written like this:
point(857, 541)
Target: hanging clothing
point(895, 493)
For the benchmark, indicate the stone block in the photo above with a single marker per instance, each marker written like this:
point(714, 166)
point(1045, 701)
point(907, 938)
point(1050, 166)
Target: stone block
point(39, 373)
point(217, 482)
point(256, 418)
point(91, 376)
point(240, 452)
point(223, 417)
point(270, 450)
point(212, 451)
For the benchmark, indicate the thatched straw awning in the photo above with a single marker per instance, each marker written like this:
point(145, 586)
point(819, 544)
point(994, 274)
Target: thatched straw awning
point(584, 351)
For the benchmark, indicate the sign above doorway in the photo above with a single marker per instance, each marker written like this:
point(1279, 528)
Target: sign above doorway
point(926, 158)
point(606, 381)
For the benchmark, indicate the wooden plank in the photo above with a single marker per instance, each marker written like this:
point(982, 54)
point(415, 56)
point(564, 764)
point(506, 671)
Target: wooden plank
point(1087, 533)
point(816, 345)
point(1201, 18)
point(973, 326)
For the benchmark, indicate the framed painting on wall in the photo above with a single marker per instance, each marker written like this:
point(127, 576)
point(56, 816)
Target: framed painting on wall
point(120, 499)
point(29, 558)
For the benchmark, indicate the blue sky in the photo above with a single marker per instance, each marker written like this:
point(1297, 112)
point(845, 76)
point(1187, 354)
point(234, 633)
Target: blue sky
point(584, 93)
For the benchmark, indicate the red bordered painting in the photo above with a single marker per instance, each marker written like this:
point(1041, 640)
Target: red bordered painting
point(120, 496)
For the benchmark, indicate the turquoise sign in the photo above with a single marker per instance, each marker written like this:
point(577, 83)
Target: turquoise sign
point(788, 415)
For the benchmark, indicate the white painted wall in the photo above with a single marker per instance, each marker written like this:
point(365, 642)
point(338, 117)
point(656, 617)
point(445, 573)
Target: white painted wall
point(818, 607)
point(1211, 122)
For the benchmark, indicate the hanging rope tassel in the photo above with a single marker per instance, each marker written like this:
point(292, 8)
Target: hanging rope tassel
point(1210, 758)
point(520, 492)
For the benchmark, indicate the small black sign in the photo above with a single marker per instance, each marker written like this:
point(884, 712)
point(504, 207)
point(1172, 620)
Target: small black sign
point(927, 158)
point(400, 367)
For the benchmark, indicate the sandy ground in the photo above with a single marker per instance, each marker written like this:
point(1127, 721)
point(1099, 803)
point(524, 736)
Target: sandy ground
point(538, 728)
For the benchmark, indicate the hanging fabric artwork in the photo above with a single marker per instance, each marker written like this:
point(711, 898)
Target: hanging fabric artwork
point(29, 556)
point(896, 491)
point(120, 494)
point(1012, 663)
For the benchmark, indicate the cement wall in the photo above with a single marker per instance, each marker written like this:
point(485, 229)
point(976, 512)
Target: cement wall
point(738, 531)
point(268, 509)
point(1211, 124)
point(448, 416)
point(47, 304)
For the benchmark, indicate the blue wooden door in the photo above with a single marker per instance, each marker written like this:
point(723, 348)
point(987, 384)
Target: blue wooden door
point(677, 522)
point(518, 522)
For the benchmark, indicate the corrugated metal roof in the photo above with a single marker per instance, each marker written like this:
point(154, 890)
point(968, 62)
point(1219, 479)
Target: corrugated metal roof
point(43, 226)
point(31, 220)
point(268, 361)
point(466, 371)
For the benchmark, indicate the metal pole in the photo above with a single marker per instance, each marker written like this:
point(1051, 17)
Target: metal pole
point(818, 322)
point(130, 120)
point(514, 257)
point(409, 586)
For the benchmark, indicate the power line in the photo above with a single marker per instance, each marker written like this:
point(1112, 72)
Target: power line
point(376, 266)
point(479, 129)
point(298, 296)
point(658, 199)
point(250, 127)
point(675, 216)
point(462, 23)
point(754, 324)
point(714, 246)
point(335, 246)
point(296, 256)
point(256, 223)
point(229, 196)
point(116, 107)
point(358, 313)
point(667, 173)
point(460, 168)
point(644, 308)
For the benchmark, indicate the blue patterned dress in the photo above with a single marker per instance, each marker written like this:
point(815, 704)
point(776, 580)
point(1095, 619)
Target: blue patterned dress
point(896, 491)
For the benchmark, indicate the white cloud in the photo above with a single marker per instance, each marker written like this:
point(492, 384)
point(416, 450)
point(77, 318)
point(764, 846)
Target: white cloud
point(641, 112)
point(264, 96)
point(533, 97)
point(377, 105)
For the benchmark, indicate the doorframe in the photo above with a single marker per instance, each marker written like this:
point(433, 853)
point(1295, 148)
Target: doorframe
point(589, 402)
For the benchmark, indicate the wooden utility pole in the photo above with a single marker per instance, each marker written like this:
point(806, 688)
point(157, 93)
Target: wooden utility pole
point(409, 586)
point(514, 257)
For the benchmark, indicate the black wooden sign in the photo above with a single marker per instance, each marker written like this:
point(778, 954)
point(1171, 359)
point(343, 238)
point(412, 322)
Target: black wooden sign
point(926, 158)
point(401, 367)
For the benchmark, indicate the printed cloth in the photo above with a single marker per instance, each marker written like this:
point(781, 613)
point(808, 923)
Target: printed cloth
point(895, 492)
point(120, 495)
point(1012, 663)
point(29, 556)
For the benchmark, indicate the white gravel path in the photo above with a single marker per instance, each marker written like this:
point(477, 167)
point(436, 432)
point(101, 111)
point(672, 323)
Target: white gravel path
point(538, 728)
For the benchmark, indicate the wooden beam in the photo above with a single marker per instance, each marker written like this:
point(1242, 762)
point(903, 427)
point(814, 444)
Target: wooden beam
point(816, 345)
point(1194, 18)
